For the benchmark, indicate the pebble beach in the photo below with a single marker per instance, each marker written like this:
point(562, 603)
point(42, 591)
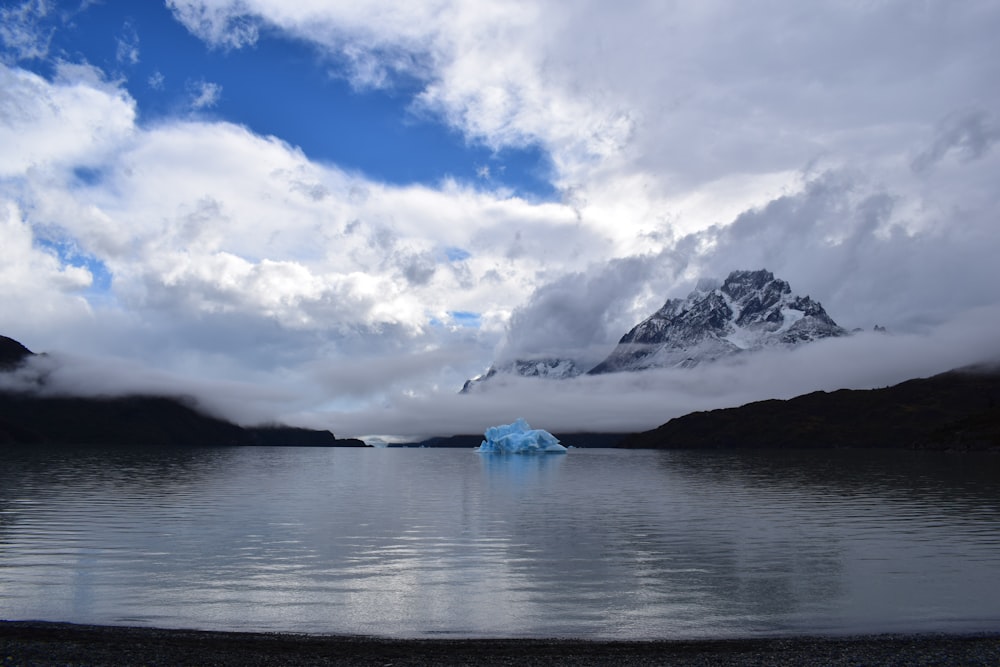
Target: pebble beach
point(42, 644)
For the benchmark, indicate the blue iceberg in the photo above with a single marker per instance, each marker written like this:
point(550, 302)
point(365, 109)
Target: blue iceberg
point(519, 438)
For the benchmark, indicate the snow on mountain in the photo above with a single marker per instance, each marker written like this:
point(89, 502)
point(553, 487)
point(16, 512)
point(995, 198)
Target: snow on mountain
point(554, 369)
point(751, 310)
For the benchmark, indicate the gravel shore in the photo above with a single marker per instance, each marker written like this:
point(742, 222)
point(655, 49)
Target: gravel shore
point(38, 643)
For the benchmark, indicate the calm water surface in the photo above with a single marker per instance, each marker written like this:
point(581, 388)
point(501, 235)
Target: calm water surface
point(595, 543)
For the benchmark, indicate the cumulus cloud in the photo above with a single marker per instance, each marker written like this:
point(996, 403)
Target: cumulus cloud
point(75, 122)
point(664, 99)
point(34, 284)
point(354, 266)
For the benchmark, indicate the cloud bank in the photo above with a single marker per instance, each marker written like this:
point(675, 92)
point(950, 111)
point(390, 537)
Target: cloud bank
point(628, 402)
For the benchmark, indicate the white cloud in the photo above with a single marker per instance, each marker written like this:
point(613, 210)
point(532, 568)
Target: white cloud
point(220, 26)
point(205, 95)
point(22, 31)
point(63, 374)
point(156, 80)
point(37, 291)
point(205, 227)
point(127, 51)
point(72, 123)
point(662, 118)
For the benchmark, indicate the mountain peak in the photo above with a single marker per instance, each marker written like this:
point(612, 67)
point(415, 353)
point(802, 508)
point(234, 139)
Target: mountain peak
point(750, 310)
point(740, 283)
point(551, 368)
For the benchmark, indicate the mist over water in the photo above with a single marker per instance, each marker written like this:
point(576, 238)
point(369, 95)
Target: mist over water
point(412, 543)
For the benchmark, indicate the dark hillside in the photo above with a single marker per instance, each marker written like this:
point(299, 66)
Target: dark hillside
point(955, 410)
point(27, 418)
point(137, 420)
point(12, 353)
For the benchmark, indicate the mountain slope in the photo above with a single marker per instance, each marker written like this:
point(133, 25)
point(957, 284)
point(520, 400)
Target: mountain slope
point(26, 418)
point(552, 369)
point(955, 410)
point(12, 353)
point(751, 310)
point(137, 420)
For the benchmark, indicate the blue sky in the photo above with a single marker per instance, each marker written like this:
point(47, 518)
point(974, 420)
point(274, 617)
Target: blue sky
point(333, 214)
point(283, 87)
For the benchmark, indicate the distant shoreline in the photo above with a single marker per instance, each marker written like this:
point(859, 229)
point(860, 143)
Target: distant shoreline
point(44, 643)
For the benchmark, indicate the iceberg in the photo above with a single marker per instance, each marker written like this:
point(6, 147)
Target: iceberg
point(519, 438)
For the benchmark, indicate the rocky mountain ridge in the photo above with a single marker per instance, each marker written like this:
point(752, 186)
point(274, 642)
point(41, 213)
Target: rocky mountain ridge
point(549, 368)
point(748, 311)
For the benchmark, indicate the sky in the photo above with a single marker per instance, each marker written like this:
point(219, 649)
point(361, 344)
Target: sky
point(333, 214)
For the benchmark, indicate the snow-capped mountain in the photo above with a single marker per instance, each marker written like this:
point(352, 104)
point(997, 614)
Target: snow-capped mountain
point(751, 310)
point(555, 369)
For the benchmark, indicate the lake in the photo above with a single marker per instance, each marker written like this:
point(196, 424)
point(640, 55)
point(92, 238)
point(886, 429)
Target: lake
point(443, 542)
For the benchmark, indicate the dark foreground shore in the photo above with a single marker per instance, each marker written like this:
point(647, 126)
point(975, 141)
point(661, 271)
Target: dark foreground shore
point(37, 643)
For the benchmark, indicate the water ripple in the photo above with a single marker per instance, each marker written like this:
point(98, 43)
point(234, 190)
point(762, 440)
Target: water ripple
point(416, 542)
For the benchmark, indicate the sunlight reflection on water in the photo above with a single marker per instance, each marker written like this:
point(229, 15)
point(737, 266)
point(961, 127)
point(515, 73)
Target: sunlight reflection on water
point(596, 543)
